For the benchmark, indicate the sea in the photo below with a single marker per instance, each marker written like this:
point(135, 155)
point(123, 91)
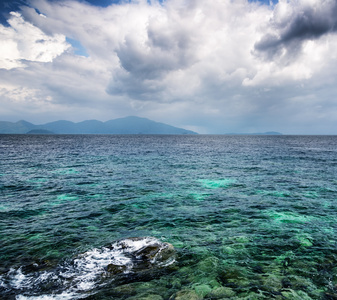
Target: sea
point(248, 217)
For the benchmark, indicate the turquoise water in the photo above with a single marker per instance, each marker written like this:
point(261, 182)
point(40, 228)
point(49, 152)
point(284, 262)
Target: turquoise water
point(250, 217)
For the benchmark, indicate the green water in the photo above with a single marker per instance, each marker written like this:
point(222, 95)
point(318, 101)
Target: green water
point(250, 217)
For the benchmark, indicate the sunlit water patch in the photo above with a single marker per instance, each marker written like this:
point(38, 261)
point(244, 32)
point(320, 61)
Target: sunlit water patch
point(214, 184)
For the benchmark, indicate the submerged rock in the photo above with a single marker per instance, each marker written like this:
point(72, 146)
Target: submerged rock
point(146, 297)
point(186, 295)
point(222, 292)
point(202, 289)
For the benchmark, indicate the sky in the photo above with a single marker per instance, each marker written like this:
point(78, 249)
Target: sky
point(215, 66)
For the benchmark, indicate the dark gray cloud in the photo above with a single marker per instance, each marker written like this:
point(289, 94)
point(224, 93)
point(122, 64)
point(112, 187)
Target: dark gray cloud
point(304, 23)
point(186, 63)
point(124, 83)
point(146, 61)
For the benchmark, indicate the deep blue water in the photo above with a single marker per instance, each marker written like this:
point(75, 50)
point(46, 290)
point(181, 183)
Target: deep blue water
point(250, 217)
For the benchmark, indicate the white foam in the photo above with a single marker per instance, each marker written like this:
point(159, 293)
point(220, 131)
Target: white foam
point(19, 280)
point(63, 296)
point(83, 274)
point(2, 283)
point(135, 245)
point(89, 266)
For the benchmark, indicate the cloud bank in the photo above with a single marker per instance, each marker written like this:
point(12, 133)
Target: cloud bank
point(210, 66)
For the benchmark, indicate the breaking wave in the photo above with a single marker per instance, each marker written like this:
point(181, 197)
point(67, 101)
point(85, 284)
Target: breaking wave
point(88, 271)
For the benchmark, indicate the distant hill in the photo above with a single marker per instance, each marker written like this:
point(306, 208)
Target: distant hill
point(18, 127)
point(39, 131)
point(257, 133)
point(127, 125)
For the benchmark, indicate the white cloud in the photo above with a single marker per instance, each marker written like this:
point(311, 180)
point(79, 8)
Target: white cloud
point(220, 66)
point(23, 41)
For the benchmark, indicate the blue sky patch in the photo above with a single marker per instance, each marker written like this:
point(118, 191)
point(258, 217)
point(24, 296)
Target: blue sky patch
point(267, 2)
point(78, 47)
point(102, 3)
point(105, 3)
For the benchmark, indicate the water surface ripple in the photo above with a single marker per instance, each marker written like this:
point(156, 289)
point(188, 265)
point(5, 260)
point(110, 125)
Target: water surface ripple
point(250, 217)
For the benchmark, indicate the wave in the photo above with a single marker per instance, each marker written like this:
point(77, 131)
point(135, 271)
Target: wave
point(89, 271)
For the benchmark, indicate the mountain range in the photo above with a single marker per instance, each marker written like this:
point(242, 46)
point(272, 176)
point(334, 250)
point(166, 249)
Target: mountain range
point(127, 125)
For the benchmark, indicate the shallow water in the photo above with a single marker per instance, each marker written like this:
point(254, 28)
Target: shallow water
point(249, 216)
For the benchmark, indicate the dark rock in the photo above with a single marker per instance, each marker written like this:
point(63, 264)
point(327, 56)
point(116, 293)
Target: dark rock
point(286, 283)
point(330, 296)
point(37, 266)
point(258, 269)
point(116, 269)
point(148, 252)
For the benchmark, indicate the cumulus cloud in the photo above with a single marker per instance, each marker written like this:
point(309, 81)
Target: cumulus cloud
point(218, 66)
point(23, 41)
point(295, 22)
point(188, 40)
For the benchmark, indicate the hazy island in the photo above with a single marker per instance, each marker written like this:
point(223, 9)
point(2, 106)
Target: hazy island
point(257, 133)
point(127, 125)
